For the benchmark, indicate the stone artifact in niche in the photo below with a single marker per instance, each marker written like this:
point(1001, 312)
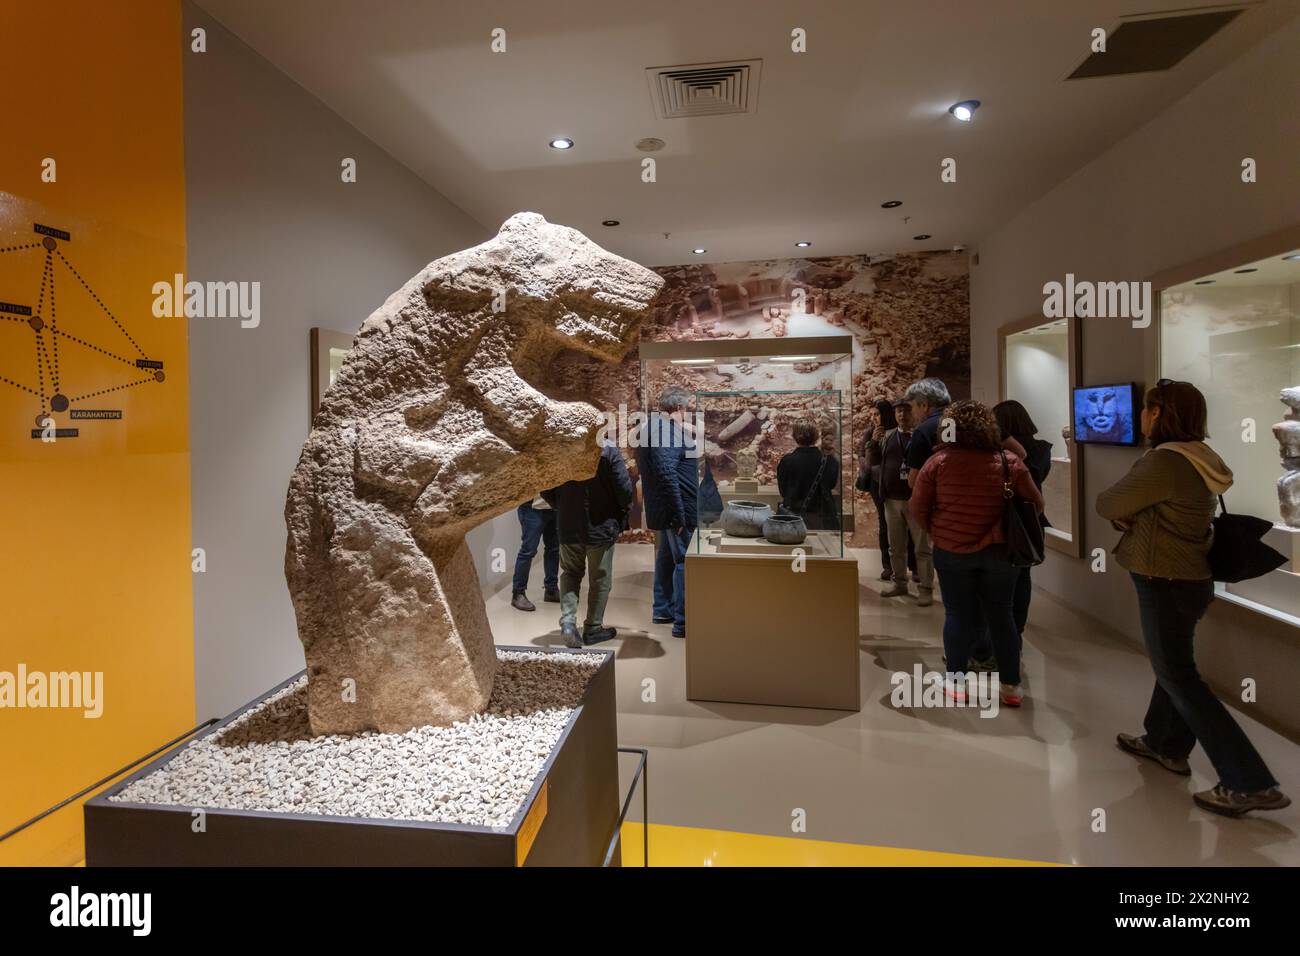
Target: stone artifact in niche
point(1287, 433)
point(744, 519)
point(785, 529)
point(437, 422)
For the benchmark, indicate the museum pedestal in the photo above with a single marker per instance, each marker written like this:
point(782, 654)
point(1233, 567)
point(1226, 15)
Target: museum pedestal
point(568, 818)
point(758, 631)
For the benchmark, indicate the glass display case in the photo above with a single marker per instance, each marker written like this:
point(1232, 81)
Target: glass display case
point(1039, 366)
point(771, 472)
point(749, 396)
point(1235, 335)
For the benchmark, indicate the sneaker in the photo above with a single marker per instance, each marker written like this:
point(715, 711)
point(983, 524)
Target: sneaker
point(1138, 747)
point(887, 574)
point(595, 635)
point(570, 634)
point(1011, 695)
point(988, 664)
point(897, 589)
point(925, 597)
point(954, 690)
point(551, 596)
point(1234, 803)
point(661, 620)
point(520, 602)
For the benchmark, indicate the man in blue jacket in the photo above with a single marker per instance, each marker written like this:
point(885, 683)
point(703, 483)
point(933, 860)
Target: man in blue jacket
point(590, 515)
point(668, 461)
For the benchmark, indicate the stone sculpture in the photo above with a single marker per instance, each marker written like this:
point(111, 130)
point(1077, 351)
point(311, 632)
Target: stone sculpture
point(1287, 433)
point(436, 423)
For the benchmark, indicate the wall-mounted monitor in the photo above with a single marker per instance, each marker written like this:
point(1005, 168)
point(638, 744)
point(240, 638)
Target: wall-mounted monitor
point(1106, 414)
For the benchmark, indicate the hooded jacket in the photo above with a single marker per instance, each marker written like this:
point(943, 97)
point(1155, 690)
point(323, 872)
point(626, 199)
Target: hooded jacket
point(1168, 500)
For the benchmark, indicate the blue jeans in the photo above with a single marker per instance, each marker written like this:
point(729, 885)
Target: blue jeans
point(670, 576)
point(979, 587)
point(535, 526)
point(1183, 710)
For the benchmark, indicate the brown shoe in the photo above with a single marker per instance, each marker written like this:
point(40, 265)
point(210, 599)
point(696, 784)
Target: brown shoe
point(1138, 747)
point(520, 602)
point(1235, 803)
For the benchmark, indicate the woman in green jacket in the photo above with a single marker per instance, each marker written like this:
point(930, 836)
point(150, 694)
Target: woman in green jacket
point(1164, 506)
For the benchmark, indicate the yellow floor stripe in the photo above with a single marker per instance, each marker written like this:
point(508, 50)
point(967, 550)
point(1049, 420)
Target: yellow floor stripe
point(693, 846)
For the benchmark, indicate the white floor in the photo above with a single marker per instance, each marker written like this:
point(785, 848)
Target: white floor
point(1045, 782)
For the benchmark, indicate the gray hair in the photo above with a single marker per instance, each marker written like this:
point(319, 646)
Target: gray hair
point(674, 397)
point(932, 391)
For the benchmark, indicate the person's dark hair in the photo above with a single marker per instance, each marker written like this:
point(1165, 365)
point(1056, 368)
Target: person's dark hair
point(885, 410)
point(975, 425)
point(673, 398)
point(805, 432)
point(1014, 421)
point(1182, 412)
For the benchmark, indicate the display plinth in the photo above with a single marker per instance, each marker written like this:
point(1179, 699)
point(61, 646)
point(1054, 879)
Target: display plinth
point(758, 631)
point(568, 818)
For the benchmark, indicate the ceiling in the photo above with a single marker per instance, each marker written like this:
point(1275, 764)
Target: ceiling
point(858, 119)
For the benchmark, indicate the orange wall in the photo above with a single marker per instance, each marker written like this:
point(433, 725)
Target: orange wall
point(94, 530)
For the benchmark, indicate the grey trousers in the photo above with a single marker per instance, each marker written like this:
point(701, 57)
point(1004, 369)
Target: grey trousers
point(898, 519)
point(577, 560)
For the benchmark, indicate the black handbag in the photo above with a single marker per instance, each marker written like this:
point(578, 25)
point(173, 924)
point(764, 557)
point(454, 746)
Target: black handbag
point(710, 499)
point(1237, 553)
point(1020, 526)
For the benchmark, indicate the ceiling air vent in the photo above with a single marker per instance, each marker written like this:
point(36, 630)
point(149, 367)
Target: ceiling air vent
point(705, 89)
point(1150, 44)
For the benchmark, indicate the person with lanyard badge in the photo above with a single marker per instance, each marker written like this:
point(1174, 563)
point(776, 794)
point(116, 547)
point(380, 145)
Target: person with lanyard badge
point(888, 451)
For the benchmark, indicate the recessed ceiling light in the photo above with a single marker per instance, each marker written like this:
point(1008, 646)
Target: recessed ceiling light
point(803, 243)
point(699, 251)
point(1244, 271)
point(651, 144)
point(609, 222)
point(1293, 256)
point(965, 110)
point(892, 204)
point(924, 235)
point(1204, 282)
point(562, 142)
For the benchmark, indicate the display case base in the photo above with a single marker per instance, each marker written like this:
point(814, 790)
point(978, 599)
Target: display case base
point(758, 631)
point(568, 818)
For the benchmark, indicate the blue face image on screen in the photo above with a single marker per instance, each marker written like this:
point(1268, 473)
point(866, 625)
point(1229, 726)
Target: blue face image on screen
point(1104, 414)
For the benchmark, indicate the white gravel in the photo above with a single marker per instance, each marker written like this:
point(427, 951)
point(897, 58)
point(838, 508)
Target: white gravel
point(475, 772)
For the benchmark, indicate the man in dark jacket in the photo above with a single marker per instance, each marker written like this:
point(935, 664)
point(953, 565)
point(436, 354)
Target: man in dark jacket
point(590, 515)
point(888, 452)
point(669, 464)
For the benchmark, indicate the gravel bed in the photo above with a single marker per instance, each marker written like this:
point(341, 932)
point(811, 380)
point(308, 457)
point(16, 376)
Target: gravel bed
point(474, 772)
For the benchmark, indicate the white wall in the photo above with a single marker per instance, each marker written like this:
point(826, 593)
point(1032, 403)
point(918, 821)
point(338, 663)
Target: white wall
point(1167, 195)
point(266, 203)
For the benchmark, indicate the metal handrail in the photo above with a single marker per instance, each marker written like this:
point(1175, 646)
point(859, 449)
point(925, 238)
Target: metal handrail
point(95, 786)
point(642, 774)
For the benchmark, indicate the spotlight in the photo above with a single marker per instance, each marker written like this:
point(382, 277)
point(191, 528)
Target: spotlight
point(965, 110)
point(892, 204)
point(609, 222)
point(922, 236)
point(699, 251)
point(1293, 256)
point(1242, 272)
point(562, 142)
point(803, 243)
point(1204, 282)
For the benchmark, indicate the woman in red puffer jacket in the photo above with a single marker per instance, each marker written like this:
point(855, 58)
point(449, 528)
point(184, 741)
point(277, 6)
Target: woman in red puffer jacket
point(958, 498)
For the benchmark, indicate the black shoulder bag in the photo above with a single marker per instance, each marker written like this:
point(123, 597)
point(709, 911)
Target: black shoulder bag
point(1020, 527)
point(1236, 552)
